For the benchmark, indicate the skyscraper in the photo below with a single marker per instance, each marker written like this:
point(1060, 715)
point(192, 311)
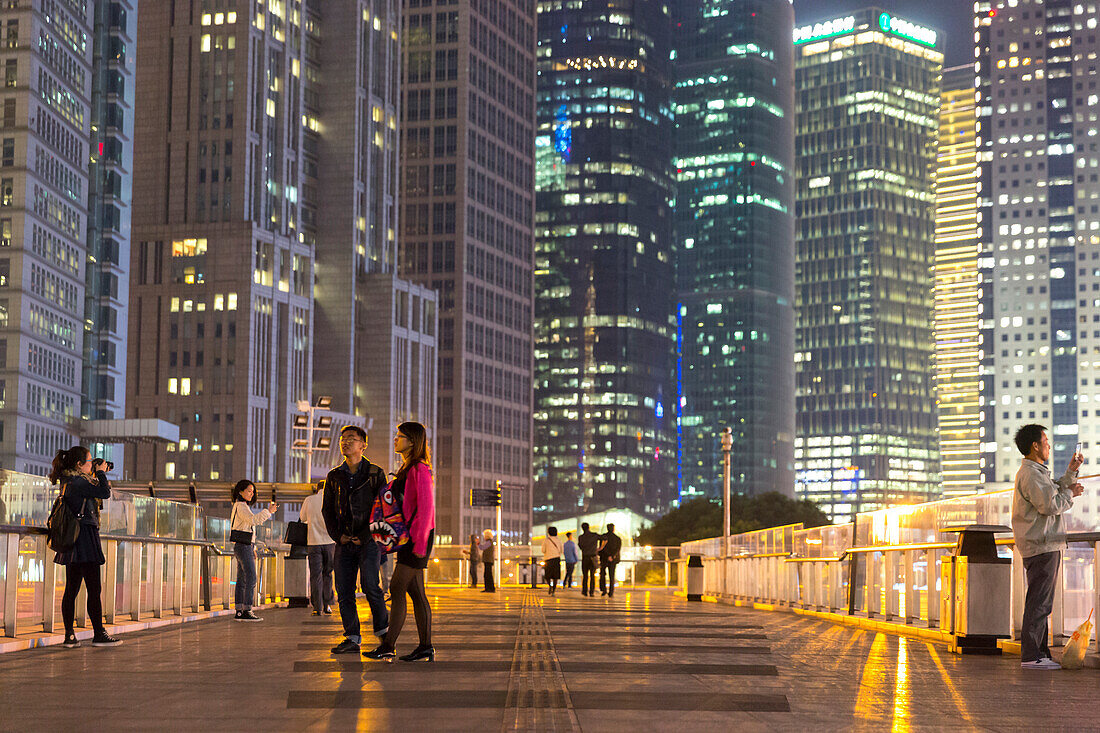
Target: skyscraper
point(467, 126)
point(110, 188)
point(64, 222)
point(605, 387)
point(734, 105)
point(221, 268)
point(1038, 104)
point(867, 88)
point(957, 284)
point(374, 333)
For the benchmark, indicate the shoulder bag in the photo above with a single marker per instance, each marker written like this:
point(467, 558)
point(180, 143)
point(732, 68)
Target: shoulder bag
point(238, 535)
point(62, 527)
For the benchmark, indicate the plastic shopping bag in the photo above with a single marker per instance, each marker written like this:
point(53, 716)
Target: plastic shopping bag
point(1074, 655)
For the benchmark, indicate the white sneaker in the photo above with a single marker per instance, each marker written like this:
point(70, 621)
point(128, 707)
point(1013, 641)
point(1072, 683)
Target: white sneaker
point(1040, 664)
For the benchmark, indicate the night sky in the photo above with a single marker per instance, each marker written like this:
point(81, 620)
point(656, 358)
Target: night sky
point(951, 17)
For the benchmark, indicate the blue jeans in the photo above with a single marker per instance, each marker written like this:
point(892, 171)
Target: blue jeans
point(245, 591)
point(359, 561)
point(320, 575)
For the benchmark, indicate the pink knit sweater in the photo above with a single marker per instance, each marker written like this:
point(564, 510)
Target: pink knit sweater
point(420, 505)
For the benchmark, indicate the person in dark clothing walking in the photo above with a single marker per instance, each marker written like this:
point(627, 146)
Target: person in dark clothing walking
point(570, 552)
point(350, 491)
point(610, 546)
point(488, 557)
point(588, 543)
point(475, 560)
point(83, 487)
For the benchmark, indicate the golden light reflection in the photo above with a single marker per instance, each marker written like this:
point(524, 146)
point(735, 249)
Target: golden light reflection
point(869, 701)
point(901, 689)
point(958, 699)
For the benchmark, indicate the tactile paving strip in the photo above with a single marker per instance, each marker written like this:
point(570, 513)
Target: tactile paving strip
point(538, 699)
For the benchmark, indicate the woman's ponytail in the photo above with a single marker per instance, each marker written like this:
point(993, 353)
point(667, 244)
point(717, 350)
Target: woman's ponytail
point(66, 460)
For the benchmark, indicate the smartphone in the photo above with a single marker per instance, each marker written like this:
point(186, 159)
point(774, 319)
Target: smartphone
point(1078, 449)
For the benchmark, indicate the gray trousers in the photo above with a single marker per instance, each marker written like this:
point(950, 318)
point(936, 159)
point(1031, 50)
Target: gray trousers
point(320, 575)
point(1042, 574)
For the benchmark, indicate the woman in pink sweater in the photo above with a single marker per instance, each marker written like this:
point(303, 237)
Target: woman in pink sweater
point(414, 482)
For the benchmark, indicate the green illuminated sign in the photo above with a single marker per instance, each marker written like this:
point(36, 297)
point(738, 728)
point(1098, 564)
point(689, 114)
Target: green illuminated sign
point(825, 29)
point(906, 29)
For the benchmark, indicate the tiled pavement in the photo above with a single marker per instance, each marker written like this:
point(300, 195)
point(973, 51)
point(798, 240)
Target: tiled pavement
point(643, 661)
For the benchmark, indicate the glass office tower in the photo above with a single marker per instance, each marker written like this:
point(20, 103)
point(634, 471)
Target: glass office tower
point(1038, 99)
point(604, 380)
point(734, 105)
point(957, 313)
point(867, 89)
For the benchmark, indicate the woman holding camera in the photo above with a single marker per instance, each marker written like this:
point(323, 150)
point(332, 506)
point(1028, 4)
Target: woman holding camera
point(414, 482)
point(83, 487)
point(243, 523)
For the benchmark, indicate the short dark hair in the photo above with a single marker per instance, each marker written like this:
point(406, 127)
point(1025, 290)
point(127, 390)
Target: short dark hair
point(355, 429)
point(610, 527)
point(552, 531)
point(584, 526)
point(240, 489)
point(1028, 435)
point(568, 534)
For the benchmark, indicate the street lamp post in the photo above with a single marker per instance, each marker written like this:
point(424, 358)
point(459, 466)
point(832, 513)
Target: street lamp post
point(727, 446)
point(307, 423)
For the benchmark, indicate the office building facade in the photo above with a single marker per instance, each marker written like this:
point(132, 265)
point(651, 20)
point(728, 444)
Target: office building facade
point(957, 284)
point(734, 222)
point(1037, 79)
point(221, 266)
point(605, 389)
point(374, 348)
point(467, 173)
point(867, 90)
point(64, 222)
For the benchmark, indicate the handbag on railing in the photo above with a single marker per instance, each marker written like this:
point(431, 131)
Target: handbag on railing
point(62, 527)
point(297, 533)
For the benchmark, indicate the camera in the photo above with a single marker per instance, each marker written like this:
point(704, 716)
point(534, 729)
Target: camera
point(107, 466)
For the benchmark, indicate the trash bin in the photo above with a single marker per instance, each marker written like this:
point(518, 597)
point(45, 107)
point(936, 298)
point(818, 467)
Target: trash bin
point(296, 581)
point(695, 578)
point(976, 591)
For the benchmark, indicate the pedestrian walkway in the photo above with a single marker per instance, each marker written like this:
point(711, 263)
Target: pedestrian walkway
point(520, 660)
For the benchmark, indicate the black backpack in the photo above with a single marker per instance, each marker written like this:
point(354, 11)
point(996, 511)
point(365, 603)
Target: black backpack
point(63, 527)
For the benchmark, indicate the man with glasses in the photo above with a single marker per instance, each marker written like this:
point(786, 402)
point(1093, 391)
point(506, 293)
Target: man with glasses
point(350, 491)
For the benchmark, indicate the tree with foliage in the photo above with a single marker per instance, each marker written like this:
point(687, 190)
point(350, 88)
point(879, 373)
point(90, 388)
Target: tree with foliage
point(701, 517)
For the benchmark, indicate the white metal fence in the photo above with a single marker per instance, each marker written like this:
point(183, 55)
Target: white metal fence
point(886, 565)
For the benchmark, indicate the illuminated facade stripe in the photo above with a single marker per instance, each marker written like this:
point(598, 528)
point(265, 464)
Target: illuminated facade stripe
point(957, 284)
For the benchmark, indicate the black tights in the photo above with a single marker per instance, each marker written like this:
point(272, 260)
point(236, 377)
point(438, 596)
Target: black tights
point(408, 580)
point(88, 572)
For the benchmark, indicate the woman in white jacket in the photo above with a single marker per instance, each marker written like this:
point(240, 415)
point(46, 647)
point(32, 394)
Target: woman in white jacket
point(551, 558)
point(242, 523)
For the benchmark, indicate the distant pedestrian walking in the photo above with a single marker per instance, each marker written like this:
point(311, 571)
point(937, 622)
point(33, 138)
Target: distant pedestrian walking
point(84, 486)
point(570, 554)
point(242, 523)
point(475, 560)
point(589, 544)
point(416, 487)
point(488, 556)
point(551, 558)
point(350, 491)
point(610, 546)
point(1038, 504)
point(321, 551)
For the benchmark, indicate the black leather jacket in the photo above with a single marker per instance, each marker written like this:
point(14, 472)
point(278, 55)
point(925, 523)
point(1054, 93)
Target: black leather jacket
point(349, 499)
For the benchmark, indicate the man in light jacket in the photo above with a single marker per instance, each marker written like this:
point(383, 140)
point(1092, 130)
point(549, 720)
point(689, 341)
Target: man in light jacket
point(321, 551)
point(1038, 504)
